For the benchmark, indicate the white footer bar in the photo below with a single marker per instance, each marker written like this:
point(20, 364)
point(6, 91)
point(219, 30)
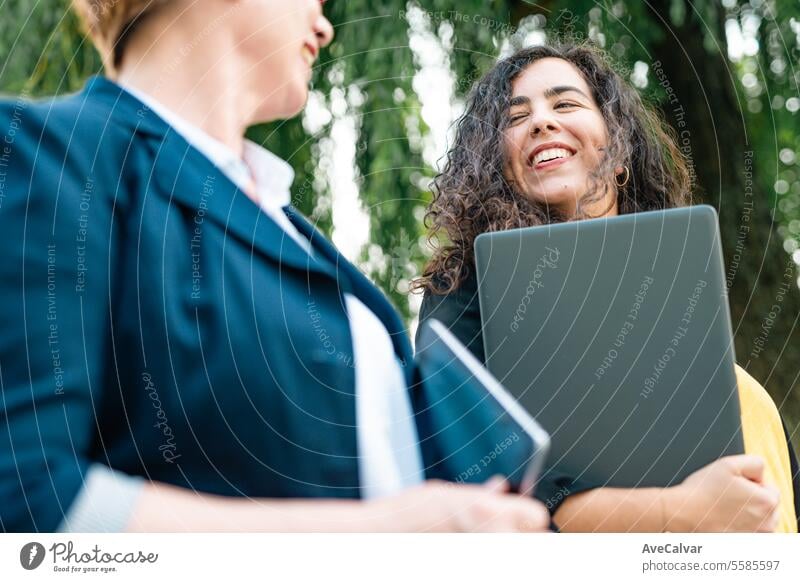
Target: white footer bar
point(407, 558)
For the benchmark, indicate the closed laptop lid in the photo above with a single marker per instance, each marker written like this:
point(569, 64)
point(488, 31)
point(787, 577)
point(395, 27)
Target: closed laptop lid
point(615, 334)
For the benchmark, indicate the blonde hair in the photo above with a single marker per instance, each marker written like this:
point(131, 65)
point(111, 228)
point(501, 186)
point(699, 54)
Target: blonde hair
point(110, 23)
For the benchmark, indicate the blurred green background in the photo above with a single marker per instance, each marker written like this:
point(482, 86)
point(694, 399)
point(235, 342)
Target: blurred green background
point(388, 87)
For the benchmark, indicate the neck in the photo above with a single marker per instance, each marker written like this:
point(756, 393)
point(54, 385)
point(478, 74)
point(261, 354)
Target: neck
point(184, 72)
point(602, 208)
point(605, 208)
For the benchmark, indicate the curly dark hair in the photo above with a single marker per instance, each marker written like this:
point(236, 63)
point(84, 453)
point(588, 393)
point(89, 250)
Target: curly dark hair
point(471, 195)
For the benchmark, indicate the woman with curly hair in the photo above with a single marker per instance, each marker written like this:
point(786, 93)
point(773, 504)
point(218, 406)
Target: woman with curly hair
point(553, 134)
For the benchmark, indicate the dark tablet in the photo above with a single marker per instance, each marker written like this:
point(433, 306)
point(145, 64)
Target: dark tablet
point(479, 429)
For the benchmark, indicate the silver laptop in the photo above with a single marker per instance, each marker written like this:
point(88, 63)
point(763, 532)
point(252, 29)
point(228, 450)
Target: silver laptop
point(615, 334)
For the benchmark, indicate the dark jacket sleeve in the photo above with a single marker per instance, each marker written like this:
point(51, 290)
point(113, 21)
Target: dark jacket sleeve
point(460, 312)
point(53, 315)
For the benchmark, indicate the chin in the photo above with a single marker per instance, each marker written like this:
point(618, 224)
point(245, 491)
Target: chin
point(284, 106)
point(554, 201)
point(555, 194)
point(297, 101)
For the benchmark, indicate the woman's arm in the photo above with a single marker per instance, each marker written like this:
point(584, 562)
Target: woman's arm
point(727, 495)
point(430, 507)
point(55, 343)
point(165, 508)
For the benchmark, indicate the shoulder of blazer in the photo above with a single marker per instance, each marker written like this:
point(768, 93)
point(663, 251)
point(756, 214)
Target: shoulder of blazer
point(86, 115)
point(100, 112)
point(72, 140)
point(105, 133)
point(120, 108)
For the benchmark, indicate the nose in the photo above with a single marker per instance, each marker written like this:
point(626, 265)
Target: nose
point(543, 121)
point(323, 30)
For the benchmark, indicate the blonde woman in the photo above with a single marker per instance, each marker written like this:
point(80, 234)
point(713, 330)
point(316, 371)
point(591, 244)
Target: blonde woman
point(181, 350)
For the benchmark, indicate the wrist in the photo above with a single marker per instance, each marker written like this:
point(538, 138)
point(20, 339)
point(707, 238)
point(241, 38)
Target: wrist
point(387, 515)
point(421, 509)
point(672, 506)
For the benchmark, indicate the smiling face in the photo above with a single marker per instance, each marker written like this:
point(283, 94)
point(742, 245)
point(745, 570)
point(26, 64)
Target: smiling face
point(281, 41)
point(555, 137)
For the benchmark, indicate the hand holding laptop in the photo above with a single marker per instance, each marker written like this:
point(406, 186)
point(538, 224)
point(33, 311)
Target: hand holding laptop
point(442, 507)
point(727, 495)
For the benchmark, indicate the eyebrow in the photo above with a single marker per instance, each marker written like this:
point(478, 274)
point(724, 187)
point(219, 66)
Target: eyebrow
point(548, 93)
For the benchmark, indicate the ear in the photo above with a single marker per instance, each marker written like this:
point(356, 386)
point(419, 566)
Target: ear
point(621, 176)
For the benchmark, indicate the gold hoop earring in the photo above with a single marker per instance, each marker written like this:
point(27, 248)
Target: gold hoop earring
point(625, 181)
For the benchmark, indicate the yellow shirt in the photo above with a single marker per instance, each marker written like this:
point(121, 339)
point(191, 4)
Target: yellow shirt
point(764, 436)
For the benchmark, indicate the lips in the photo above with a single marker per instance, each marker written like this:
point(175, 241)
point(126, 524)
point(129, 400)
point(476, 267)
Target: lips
point(309, 53)
point(550, 154)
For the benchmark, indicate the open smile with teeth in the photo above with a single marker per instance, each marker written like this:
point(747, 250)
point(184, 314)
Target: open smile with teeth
point(551, 154)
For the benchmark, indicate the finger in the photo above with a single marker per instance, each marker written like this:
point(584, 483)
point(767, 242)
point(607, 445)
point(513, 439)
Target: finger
point(762, 502)
point(774, 495)
point(497, 517)
point(773, 522)
point(749, 466)
point(770, 523)
point(534, 519)
point(497, 484)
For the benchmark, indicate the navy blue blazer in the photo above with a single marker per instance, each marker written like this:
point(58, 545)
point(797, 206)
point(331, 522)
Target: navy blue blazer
point(153, 319)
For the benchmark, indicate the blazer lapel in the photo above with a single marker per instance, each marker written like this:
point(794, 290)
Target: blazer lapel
point(188, 178)
point(362, 288)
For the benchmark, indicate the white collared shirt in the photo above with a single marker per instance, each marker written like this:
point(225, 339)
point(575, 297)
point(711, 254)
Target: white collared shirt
point(388, 445)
